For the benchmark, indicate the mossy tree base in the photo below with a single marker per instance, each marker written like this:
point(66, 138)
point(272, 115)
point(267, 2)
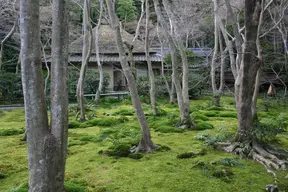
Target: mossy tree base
point(143, 147)
point(269, 156)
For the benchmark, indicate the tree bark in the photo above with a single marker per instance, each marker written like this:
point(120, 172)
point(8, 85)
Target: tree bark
point(145, 145)
point(248, 70)
point(40, 146)
point(100, 69)
point(59, 91)
point(86, 53)
point(150, 70)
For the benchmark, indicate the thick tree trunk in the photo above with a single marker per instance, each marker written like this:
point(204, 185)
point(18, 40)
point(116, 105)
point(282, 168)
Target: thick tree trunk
point(59, 91)
point(150, 70)
point(100, 69)
point(248, 70)
point(39, 141)
point(145, 145)
point(86, 53)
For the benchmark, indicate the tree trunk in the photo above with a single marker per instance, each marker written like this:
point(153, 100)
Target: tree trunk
point(100, 69)
point(59, 91)
point(86, 53)
point(150, 70)
point(145, 145)
point(5, 39)
point(246, 78)
point(40, 146)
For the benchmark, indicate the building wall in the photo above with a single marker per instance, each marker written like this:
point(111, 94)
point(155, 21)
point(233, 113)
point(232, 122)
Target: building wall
point(109, 69)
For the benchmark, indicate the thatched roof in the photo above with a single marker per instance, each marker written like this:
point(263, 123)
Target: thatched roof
point(107, 42)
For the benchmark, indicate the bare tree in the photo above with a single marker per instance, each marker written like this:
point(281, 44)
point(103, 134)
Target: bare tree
point(46, 146)
point(145, 145)
point(86, 53)
point(150, 69)
point(173, 40)
point(100, 69)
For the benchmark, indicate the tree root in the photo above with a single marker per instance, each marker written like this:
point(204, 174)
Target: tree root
point(143, 148)
point(266, 155)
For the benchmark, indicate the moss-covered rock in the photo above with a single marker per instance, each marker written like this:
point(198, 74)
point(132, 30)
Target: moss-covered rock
point(168, 129)
point(187, 155)
point(161, 148)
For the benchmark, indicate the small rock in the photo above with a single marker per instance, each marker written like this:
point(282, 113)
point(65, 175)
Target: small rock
point(271, 188)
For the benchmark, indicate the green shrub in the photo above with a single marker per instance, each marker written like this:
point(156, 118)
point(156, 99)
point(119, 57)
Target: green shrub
point(210, 113)
point(215, 108)
point(186, 155)
point(9, 132)
point(22, 188)
point(89, 138)
point(124, 112)
point(123, 119)
point(211, 140)
point(10, 86)
point(106, 122)
point(203, 126)
point(73, 124)
point(162, 148)
point(2, 176)
point(230, 162)
point(85, 124)
point(168, 129)
point(74, 187)
point(266, 130)
point(136, 155)
point(121, 150)
point(199, 116)
point(227, 114)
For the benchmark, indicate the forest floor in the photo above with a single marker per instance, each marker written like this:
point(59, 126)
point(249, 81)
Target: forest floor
point(185, 160)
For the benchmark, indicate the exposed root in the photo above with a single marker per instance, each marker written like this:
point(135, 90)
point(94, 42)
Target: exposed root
point(268, 156)
point(143, 148)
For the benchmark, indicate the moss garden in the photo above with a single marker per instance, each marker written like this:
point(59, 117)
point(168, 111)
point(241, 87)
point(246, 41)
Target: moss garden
point(99, 157)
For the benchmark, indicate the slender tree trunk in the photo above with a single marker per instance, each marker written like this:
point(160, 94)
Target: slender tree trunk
point(145, 145)
point(248, 71)
point(150, 70)
point(59, 90)
point(86, 53)
point(38, 136)
point(185, 118)
point(5, 39)
point(100, 69)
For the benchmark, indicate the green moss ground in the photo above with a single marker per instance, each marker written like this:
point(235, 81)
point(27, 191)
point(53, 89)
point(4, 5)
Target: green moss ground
point(159, 171)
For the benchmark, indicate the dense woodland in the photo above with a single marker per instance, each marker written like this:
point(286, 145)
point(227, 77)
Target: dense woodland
point(213, 123)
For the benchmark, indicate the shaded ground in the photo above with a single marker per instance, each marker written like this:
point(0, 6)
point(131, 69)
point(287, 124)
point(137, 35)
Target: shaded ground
point(113, 123)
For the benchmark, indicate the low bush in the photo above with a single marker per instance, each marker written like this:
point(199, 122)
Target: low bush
point(125, 112)
point(230, 162)
point(106, 122)
point(73, 124)
point(210, 113)
point(9, 132)
point(168, 129)
point(215, 108)
point(266, 130)
point(227, 114)
point(203, 126)
point(198, 116)
point(69, 187)
point(123, 119)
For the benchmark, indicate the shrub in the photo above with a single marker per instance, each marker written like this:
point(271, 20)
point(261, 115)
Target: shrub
point(89, 138)
point(2, 176)
point(202, 126)
point(74, 187)
point(123, 119)
point(227, 114)
point(124, 112)
point(136, 155)
point(168, 129)
point(199, 116)
point(210, 113)
point(215, 108)
point(162, 148)
point(85, 124)
point(69, 186)
point(267, 129)
point(121, 150)
point(103, 122)
point(9, 132)
point(73, 124)
point(10, 86)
